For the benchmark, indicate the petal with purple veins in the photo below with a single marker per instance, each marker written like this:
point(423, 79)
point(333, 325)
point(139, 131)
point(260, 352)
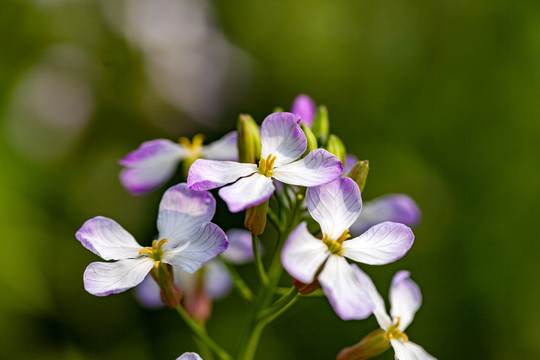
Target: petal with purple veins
point(381, 244)
point(335, 206)
point(282, 136)
point(247, 192)
point(211, 174)
point(106, 238)
point(343, 290)
point(151, 165)
point(317, 168)
point(303, 254)
point(103, 279)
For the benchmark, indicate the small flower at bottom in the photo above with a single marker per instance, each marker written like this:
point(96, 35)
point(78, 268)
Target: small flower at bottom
point(405, 299)
point(335, 206)
point(189, 356)
point(187, 239)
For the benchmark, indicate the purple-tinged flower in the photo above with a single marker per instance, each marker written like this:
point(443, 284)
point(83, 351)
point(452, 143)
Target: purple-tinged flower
point(155, 161)
point(336, 206)
point(189, 356)
point(187, 239)
point(405, 300)
point(210, 283)
point(282, 143)
point(304, 107)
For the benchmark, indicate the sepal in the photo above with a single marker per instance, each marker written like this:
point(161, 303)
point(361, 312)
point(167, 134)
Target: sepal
point(306, 289)
point(310, 137)
point(336, 147)
point(255, 220)
point(370, 346)
point(249, 139)
point(321, 124)
point(359, 173)
point(170, 292)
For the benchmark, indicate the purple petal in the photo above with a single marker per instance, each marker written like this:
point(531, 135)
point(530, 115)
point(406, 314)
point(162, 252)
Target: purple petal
point(282, 136)
point(147, 293)
point(103, 279)
point(225, 148)
point(182, 212)
point(189, 356)
point(151, 165)
point(104, 237)
point(350, 161)
point(318, 167)
point(211, 174)
point(247, 192)
point(381, 244)
point(344, 291)
point(190, 254)
point(304, 107)
point(240, 250)
point(405, 298)
point(398, 208)
point(217, 281)
point(335, 206)
point(303, 254)
point(379, 309)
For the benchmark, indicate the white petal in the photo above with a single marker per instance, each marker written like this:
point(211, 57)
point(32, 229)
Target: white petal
point(379, 310)
point(225, 148)
point(344, 291)
point(151, 165)
point(405, 298)
point(182, 212)
point(190, 254)
point(217, 281)
point(335, 206)
point(103, 279)
point(247, 192)
point(282, 136)
point(381, 244)
point(303, 254)
point(409, 351)
point(211, 174)
point(106, 238)
point(317, 168)
point(189, 356)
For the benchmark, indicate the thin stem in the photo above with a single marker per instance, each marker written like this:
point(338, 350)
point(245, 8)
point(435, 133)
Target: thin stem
point(201, 334)
point(282, 304)
point(274, 219)
point(259, 267)
point(238, 282)
point(204, 350)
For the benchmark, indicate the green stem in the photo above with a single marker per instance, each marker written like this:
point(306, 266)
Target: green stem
point(239, 283)
point(274, 219)
point(201, 334)
point(259, 267)
point(282, 304)
point(204, 350)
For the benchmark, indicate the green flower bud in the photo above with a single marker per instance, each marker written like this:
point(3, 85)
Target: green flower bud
point(370, 346)
point(310, 137)
point(249, 139)
point(336, 147)
point(255, 220)
point(277, 109)
point(359, 173)
point(321, 124)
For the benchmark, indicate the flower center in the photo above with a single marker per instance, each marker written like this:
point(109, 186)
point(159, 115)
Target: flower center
point(155, 252)
point(194, 146)
point(335, 245)
point(266, 165)
point(393, 332)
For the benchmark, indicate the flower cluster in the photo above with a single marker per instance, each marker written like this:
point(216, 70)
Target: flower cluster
point(292, 171)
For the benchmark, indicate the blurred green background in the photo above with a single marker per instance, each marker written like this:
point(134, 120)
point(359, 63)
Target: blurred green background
point(440, 96)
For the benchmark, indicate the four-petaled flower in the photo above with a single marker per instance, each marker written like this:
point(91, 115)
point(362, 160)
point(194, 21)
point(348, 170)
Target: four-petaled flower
point(187, 239)
point(405, 299)
point(155, 161)
point(335, 206)
point(282, 142)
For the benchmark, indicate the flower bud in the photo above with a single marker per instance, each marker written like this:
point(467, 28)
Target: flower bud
point(310, 137)
point(255, 220)
point(359, 173)
point(370, 346)
point(321, 124)
point(306, 289)
point(169, 291)
point(336, 147)
point(249, 139)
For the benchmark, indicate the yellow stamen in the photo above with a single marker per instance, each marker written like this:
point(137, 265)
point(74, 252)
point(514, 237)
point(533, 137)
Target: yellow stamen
point(333, 246)
point(194, 146)
point(394, 333)
point(155, 252)
point(343, 236)
point(266, 165)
